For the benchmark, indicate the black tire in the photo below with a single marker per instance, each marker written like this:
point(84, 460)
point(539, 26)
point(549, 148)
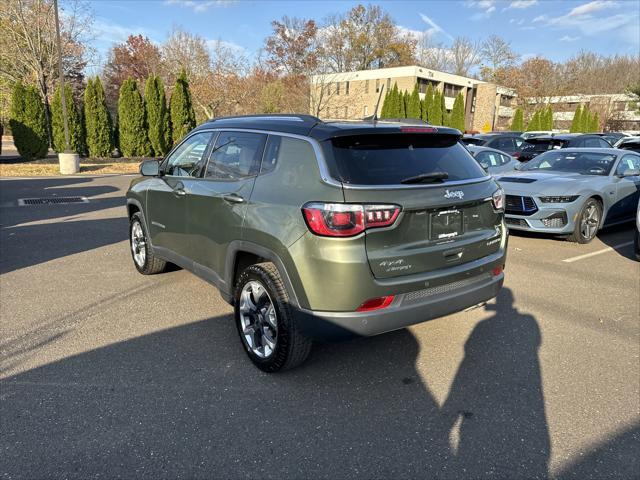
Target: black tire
point(292, 347)
point(152, 264)
point(577, 235)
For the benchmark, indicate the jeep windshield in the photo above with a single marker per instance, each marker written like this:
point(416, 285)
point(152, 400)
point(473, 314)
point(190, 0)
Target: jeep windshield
point(584, 163)
point(389, 159)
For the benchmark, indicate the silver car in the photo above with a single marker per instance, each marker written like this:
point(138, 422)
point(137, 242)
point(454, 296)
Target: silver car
point(573, 192)
point(492, 160)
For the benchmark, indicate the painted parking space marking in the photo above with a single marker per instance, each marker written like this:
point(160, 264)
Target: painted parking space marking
point(598, 252)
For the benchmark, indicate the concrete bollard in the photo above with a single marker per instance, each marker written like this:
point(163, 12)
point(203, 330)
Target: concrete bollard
point(69, 163)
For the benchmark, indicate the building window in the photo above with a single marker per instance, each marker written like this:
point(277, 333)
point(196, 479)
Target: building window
point(620, 106)
point(377, 85)
point(337, 88)
point(451, 91)
point(346, 88)
point(366, 86)
point(423, 85)
point(505, 101)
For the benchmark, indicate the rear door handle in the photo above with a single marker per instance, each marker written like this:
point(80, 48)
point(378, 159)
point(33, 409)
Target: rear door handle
point(233, 198)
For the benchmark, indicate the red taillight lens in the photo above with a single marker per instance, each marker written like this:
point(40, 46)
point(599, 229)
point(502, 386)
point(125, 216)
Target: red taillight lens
point(516, 155)
point(376, 304)
point(347, 220)
point(497, 270)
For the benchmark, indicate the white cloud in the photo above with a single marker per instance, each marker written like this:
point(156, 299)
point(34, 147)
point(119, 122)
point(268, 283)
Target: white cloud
point(589, 8)
point(434, 27)
point(108, 32)
point(568, 38)
point(214, 44)
point(581, 19)
point(515, 21)
point(521, 4)
point(486, 7)
point(199, 5)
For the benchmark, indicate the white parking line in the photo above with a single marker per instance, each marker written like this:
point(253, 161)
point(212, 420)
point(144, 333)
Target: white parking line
point(604, 250)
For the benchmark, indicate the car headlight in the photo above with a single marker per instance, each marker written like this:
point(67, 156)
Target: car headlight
point(560, 199)
point(498, 198)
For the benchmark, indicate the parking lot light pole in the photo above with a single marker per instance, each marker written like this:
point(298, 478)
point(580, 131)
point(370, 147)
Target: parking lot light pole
point(69, 161)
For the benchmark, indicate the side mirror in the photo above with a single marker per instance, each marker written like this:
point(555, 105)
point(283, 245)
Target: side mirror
point(150, 168)
point(630, 172)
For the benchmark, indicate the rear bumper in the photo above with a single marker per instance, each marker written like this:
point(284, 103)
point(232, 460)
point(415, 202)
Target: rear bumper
point(406, 309)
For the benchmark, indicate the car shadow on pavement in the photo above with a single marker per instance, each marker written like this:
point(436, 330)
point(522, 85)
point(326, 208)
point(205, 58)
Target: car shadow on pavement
point(187, 402)
point(30, 235)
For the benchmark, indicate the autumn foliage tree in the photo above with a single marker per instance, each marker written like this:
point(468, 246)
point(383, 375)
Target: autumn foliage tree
point(136, 58)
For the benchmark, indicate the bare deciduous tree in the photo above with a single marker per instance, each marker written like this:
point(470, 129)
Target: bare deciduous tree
point(433, 55)
point(497, 54)
point(28, 50)
point(465, 55)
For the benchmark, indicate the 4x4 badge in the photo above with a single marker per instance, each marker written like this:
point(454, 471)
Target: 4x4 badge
point(454, 194)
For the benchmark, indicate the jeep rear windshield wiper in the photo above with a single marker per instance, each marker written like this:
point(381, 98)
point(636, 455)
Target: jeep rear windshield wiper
point(427, 178)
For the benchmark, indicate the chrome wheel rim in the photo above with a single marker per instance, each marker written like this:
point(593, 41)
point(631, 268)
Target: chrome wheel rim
point(590, 221)
point(258, 319)
point(138, 244)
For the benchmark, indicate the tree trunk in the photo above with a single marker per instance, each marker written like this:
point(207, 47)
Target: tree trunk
point(42, 80)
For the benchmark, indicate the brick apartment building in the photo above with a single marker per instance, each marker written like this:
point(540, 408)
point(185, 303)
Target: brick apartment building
point(353, 95)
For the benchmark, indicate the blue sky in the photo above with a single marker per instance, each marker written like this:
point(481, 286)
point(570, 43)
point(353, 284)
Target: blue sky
point(554, 29)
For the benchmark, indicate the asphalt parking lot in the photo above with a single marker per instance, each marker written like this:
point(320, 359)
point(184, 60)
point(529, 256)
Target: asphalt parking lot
point(106, 373)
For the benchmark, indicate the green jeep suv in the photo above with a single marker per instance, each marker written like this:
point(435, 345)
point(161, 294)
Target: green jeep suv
point(320, 230)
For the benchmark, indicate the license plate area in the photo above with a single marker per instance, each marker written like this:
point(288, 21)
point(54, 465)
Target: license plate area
point(445, 224)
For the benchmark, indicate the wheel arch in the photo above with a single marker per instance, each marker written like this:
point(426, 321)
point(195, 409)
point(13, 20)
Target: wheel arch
point(242, 253)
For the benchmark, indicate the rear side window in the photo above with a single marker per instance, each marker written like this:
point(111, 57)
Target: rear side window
point(390, 158)
point(529, 146)
point(236, 155)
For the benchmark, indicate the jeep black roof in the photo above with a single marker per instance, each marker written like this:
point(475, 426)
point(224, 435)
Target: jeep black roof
point(308, 125)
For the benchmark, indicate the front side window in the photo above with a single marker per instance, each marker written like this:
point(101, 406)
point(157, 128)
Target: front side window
point(628, 162)
point(236, 155)
point(188, 159)
point(490, 159)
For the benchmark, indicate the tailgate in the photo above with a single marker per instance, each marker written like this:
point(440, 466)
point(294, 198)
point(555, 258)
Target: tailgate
point(439, 227)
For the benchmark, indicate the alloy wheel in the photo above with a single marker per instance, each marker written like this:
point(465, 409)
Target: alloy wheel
point(590, 221)
point(138, 244)
point(258, 319)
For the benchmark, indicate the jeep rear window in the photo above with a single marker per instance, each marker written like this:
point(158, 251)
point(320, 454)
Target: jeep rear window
point(390, 158)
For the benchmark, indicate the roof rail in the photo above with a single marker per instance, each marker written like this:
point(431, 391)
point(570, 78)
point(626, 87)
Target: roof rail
point(282, 117)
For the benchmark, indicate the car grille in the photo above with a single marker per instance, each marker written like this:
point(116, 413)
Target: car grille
point(517, 205)
point(520, 222)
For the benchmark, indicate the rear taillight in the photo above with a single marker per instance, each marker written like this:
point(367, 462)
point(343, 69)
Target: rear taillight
point(419, 130)
point(376, 304)
point(516, 155)
point(497, 270)
point(347, 220)
point(498, 199)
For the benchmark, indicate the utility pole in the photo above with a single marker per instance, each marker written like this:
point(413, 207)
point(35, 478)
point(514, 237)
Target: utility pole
point(69, 161)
